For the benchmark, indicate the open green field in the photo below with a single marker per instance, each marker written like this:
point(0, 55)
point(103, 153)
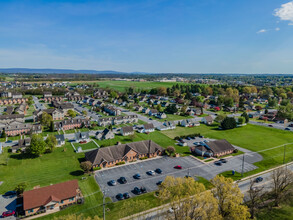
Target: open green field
point(121, 85)
point(87, 146)
point(251, 137)
point(49, 168)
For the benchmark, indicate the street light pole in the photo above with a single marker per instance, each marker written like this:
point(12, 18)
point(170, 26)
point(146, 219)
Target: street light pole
point(104, 214)
point(242, 166)
point(284, 154)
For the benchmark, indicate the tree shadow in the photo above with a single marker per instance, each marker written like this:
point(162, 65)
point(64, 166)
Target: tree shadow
point(76, 173)
point(22, 156)
point(82, 159)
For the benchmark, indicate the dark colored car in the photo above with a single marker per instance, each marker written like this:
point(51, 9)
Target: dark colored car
point(258, 179)
point(126, 195)
point(9, 141)
point(287, 129)
point(112, 183)
point(137, 176)
point(143, 189)
point(122, 180)
point(158, 170)
point(136, 191)
point(218, 163)
point(150, 119)
point(270, 125)
point(201, 136)
point(8, 213)
point(10, 193)
point(187, 176)
point(223, 160)
point(188, 138)
point(119, 196)
point(159, 183)
point(178, 167)
point(150, 172)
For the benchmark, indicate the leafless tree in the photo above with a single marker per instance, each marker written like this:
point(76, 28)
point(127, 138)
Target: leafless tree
point(282, 184)
point(255, 197)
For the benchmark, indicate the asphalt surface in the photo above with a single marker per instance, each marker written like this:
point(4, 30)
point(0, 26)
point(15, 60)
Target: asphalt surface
point(7, 203)
point(94, 116)
point(38, 105)
point(191, 166)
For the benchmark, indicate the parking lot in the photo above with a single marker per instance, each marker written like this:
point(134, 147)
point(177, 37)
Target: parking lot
point(7, 203)
point(190, 166)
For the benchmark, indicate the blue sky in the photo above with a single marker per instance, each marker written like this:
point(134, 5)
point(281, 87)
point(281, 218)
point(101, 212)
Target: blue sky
point(182, 36)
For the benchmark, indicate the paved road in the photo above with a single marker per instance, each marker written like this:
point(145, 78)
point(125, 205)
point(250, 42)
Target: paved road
point(244, 186)
point(7, 203)
point(94, 116)
point(38, 105)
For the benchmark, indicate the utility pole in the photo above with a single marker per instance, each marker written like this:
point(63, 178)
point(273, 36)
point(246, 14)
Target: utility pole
point(242, 166)
point(104, 213)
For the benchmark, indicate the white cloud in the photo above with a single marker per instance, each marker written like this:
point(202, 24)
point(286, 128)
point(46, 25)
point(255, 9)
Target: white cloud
point(277, 29)
point(285, 12)
point(261, 31)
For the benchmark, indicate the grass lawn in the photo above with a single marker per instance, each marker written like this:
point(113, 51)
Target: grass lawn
point(49, 168)
point(171, 117)
point(87, 146)
point(30, 110)
point(252, 137)
point(285, 212)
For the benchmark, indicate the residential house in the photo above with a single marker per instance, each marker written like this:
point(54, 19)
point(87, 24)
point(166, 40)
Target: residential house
point(127, 130)
point(22, 145)
point(109, 156)
point(82, 136)
point(106, 134)
point(47, 94)
point(208, 120)
point(145, 110)
point(21, 109)
point(71, 124)
point(6, 119)
point(161, 115)
point(112, 110)
point(9, 110)
point(147, 128)
point(50, 198)
point(216, 148)
point(189, 123)
point(16, 95)
point(100, 93)
point(153, 112)
point(60, 139)
point(21, 128)
point(128, 119)
point(64, 106)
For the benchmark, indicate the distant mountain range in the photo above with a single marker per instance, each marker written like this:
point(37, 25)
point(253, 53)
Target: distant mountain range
point(44, 71)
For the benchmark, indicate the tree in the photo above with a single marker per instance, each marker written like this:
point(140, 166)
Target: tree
point(255, 198)
point(282, 184)
point(188, 199)
point(38, 145)
point(229, 198)
point(84, 112)
point(162, 91)
point(245, 115)
point(159, 107)
point(170, 150)
point(46, 119)
point(20, 188)
point(171, 109)
point(71, 113)
point(3, 135)
point(228, 123)
point(241, 120)
point(30, 100)
point(86, 166)
point(220, 118)
point(51, 142)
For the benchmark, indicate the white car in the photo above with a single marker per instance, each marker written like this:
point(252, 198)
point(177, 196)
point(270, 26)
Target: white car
point(151, 172)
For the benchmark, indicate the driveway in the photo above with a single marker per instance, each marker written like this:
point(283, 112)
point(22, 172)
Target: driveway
point(191, 166)
point(7, 203)
point(38, 105)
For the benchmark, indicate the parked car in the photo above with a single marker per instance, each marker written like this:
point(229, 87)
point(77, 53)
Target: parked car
point(218, 163)
point(258, 179)
point(9, 141)
point(178, 167)
point(150, 119)
point(136, 191)
point(201, 136)
point(112, 182)
point(126, 195)
point(187, 176)
point(119, 196)
point(159, 183)
point(287, 129)
point(223, 160)
point(82, 142)
point(158, 170)
point(151, 172)
point(188, 138)
point(8, 213)
point(122, 180)
point(143, 189)
point(270, 125)
point(137, 176)
point(10, 193)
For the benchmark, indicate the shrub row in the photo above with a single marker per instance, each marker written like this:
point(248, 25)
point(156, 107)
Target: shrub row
point(143, 158)
point(185, 136)
point(120, 163)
